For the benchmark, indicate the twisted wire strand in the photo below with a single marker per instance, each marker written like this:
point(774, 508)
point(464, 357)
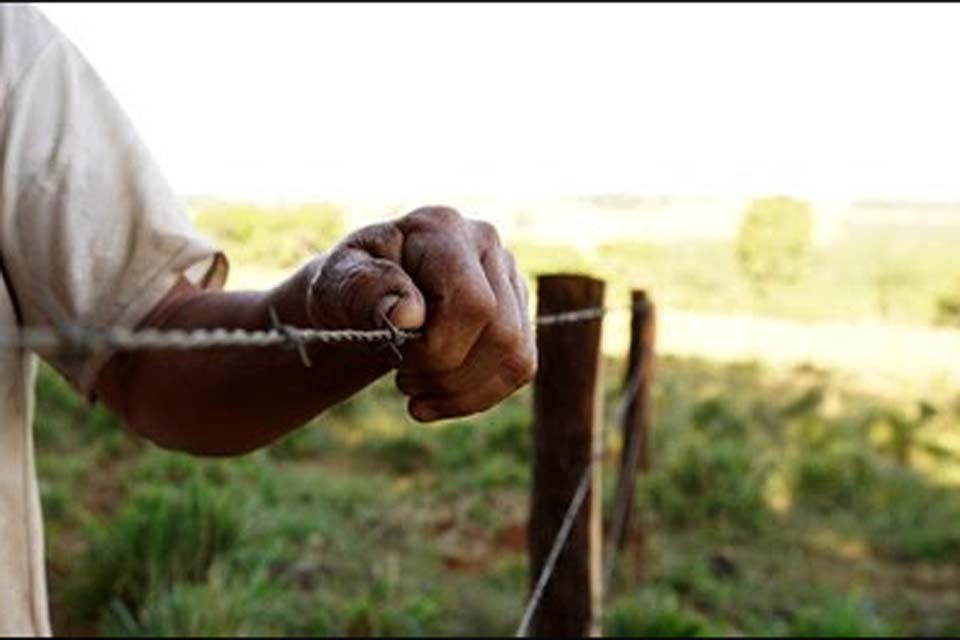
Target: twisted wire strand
point(127, 340)
point(79, 338)
point(559, 543)
point(576, 503)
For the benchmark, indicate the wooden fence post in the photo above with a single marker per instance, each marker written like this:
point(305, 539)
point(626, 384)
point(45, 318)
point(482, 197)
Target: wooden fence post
point(635, 453)
point(565, 396)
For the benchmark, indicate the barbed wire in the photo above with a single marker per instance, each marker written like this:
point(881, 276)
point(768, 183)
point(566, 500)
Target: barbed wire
point(629, 472)
point(576, 503)
point(76, 338)
point(559, 543)
point(579, 315)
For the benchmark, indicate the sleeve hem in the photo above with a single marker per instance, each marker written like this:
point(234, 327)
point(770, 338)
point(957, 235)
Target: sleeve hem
point(153, 291)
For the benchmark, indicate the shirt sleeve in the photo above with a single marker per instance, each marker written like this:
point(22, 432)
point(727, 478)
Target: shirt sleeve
point(87, 220)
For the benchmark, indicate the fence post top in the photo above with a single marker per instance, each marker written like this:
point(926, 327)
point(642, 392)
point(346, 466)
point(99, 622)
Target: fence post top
point(549, 278)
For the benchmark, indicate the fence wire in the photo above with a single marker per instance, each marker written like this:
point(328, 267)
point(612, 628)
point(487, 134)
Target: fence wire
point(559, 543)
point(74, 338)
point(77, 338)
point(576, 502)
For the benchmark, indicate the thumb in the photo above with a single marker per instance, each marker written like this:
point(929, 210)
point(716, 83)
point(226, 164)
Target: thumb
point(362, 282)
point(404, 311)
point(393, 295)
point(353, 290)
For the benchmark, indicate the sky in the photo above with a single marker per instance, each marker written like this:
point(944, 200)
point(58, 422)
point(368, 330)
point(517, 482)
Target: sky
point(293, 101)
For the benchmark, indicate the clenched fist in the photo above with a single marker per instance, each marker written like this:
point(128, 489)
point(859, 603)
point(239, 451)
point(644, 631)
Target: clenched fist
point(449, 277)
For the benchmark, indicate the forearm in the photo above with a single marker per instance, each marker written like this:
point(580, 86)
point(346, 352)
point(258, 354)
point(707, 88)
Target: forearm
point(233, 400)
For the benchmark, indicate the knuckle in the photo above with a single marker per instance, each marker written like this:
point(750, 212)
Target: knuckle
point(359, 288)
point(506, 339)
point(435, 216)
point(375, 236)
point(510, 261)
point(519, 368)
point(478, 304)
point(487, 233)
point(359, 280)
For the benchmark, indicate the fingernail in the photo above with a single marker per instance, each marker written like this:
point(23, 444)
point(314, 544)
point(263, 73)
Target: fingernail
point(386, 305)
point(405, 312)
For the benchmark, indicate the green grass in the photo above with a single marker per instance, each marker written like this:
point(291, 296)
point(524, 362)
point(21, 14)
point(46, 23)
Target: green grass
point(773, 508)
point(277, 237)
point(895, 276)
point(905, 275)
point(780, 503)
point(652, 614)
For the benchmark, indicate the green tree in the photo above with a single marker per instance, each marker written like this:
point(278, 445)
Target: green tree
point(948, 308)
point(774, 242)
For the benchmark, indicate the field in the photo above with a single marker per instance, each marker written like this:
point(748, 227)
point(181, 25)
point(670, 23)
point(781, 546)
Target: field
point(893, 273)
point(783, 500)
point(779, 504)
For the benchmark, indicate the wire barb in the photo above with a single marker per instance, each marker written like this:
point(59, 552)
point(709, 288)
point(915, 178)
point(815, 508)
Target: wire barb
point(67, 337)
point(397, 337)
point(293, 340)
point(71, 339)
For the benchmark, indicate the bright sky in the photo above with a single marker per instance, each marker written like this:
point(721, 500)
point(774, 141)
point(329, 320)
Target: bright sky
point(319, 100)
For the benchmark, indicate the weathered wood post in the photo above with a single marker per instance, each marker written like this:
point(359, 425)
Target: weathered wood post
point(565, 436)
point(636, 423)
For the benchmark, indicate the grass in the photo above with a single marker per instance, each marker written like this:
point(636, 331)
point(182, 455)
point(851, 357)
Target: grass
point(780, 502)
point(771, 510)
point(905, 275)
point(894, 276)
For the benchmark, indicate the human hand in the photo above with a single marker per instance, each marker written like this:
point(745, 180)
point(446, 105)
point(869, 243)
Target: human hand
point(449, 277)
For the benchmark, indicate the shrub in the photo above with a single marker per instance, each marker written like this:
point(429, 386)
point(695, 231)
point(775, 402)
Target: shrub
point(901, 435)
point(832, 479)
point(947, 311)
point(63, 420)
point(687, 575)
point(845, 617)
point(466, 444)
point(908, 520)
point(774, 241)
point(406, 453)
point(218, 607)
point(370, 615)
point(161, 535)
point(830, 463)
point(652, 615)
point(493, 450)
point(705, 479)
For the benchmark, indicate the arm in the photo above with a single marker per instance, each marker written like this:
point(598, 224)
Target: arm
point(431, 270)
point(87, 216)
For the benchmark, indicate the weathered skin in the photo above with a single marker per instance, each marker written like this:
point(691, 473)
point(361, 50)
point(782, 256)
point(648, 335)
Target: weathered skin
point(431, 270)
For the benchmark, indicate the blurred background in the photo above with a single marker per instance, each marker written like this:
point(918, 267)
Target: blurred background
point(781, 179)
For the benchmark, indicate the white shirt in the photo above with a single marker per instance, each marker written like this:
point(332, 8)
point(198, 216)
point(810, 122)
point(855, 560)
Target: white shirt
point(85, 215)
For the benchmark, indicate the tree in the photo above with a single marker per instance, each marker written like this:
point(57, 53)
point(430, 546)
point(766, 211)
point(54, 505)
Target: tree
point(774, 242)
point(948, 308)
